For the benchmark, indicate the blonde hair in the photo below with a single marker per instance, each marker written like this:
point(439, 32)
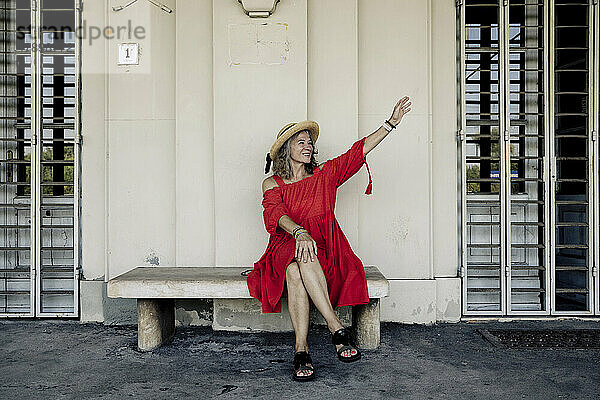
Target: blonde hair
point(282, 165)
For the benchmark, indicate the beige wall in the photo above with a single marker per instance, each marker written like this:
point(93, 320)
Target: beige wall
point(393, 61)
point(179, 141)
point(195, 189)
point(251, 101)
point(444, 149)
point(141, 146)
point(93, 157)
point(333, 94)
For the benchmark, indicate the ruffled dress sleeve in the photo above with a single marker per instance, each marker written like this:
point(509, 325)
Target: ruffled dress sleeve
point(273, 209)
point(342, 167)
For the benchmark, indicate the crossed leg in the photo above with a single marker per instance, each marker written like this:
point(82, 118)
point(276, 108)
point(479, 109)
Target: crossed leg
point(298, 305)
point(307, 279)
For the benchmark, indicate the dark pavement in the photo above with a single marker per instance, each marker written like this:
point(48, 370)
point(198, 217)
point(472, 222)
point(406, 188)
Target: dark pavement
point(49, 359)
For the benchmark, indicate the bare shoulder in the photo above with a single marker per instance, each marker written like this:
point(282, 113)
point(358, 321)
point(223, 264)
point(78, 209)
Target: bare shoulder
point(268, 183)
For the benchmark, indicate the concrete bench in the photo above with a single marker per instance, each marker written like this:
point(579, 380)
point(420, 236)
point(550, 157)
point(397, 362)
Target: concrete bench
point(156, 289)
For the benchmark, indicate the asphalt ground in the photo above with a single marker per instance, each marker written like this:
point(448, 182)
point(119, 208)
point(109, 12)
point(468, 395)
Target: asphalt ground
point(49, 359)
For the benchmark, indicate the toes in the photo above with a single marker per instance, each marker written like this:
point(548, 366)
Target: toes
point(304, 372)
point(349, 353)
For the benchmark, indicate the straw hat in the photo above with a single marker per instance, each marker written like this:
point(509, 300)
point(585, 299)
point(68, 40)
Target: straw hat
point(287, 132)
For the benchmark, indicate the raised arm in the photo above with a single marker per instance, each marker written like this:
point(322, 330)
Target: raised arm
point(401, 108)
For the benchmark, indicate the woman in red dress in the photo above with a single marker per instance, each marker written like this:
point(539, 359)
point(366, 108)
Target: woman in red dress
point(307, 252)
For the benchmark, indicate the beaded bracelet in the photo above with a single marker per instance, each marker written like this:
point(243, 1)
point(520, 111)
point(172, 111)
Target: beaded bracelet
point(298, 232)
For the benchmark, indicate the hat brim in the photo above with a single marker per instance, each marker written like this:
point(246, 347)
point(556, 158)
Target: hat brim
point(311, 126)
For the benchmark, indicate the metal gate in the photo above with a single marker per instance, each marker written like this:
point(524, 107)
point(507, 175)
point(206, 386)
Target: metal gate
point(529, 156)
point(39, 160)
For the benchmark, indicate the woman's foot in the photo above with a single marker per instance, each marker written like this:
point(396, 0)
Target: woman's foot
point(346, 351)
point(352, 352)
point(303, 368)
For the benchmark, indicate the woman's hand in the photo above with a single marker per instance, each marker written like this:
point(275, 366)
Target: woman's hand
point(306, 248)
point(401, 108)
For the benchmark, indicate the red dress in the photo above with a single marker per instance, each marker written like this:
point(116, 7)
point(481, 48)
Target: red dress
point(310, 203)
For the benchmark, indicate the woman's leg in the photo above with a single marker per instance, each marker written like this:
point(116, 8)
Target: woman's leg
point(316, 286)
point(298, 307)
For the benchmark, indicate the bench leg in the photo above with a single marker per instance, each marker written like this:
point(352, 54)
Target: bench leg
point(365, 319)
point(156, 322)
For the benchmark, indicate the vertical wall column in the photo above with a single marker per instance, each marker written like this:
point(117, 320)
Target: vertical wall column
point(444, 109)
point(444, 174)
point(93, 167)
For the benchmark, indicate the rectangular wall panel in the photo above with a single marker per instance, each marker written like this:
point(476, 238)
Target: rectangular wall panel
point(333, 95)
point(195, 208)
point(259, 86)
point(140, 146)
point(394, 61)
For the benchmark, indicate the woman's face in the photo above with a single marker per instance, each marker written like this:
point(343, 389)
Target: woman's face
point(301, 147)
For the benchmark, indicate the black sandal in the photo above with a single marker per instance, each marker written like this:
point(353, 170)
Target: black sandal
point(301, 361)
point(342, 336)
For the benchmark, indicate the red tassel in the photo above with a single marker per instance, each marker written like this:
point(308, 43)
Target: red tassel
point(370, 185)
